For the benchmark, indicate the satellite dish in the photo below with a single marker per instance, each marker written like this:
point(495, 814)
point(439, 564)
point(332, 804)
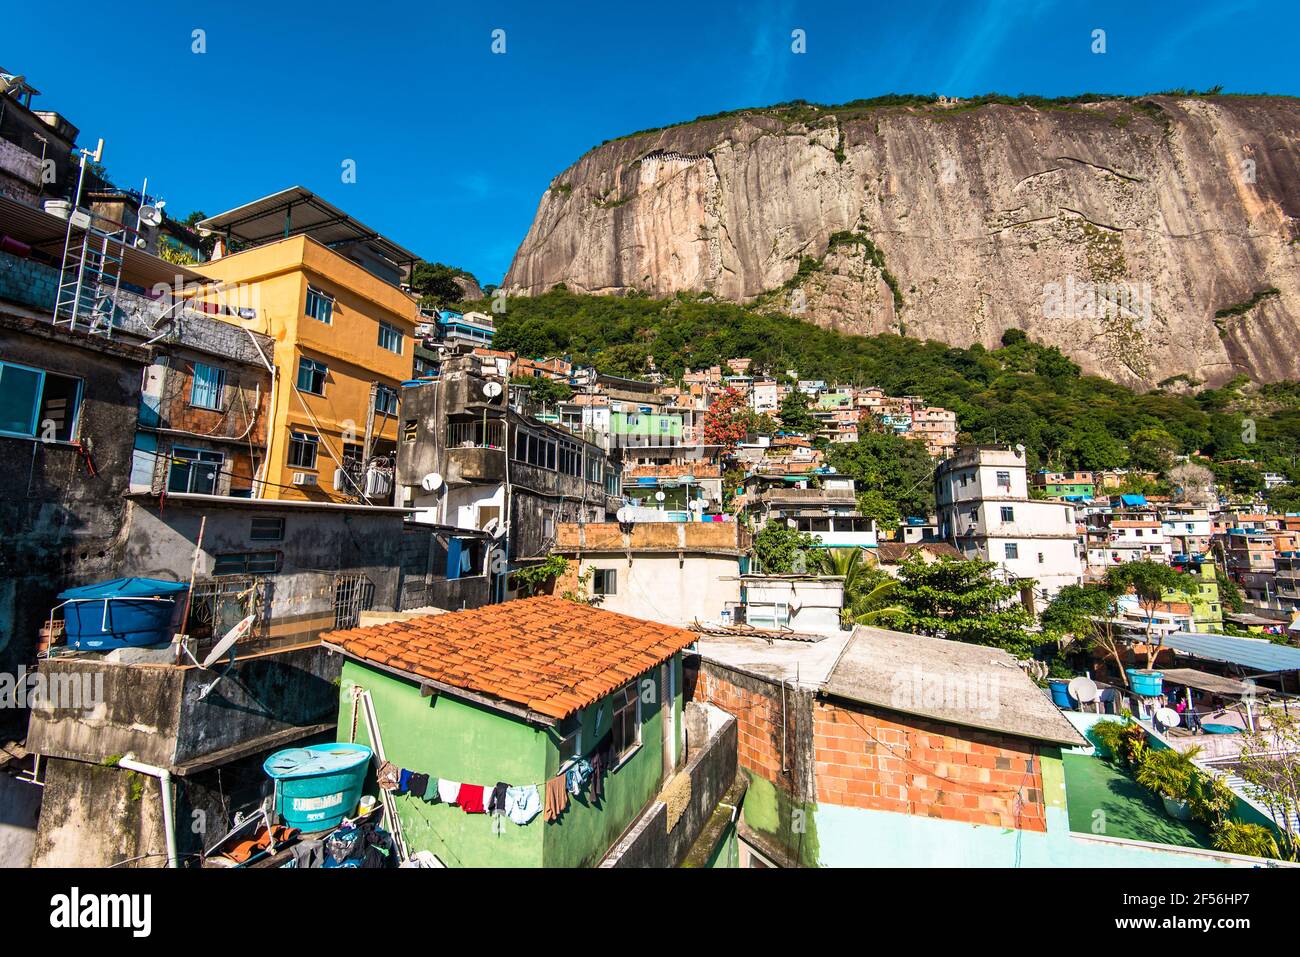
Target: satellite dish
point(431, 482)
point(659, 496)
point(152, 215)
point(1167, 717)
point(11, 82)
point(624, 515)
point(697, 505)
point(492, 389)
point(1083, 689)
point(226, 643)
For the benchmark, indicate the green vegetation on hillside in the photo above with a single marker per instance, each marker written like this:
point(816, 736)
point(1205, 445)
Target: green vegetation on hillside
point(1022, 392)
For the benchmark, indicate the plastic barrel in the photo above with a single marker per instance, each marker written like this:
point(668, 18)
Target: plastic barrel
point(1061, 694)
point(317, 787)
point(1145, 683)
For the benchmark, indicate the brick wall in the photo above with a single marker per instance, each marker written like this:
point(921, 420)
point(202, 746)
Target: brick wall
point(28, 282)
point(891, 762)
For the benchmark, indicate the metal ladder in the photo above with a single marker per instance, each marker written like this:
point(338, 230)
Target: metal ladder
point(91, 275)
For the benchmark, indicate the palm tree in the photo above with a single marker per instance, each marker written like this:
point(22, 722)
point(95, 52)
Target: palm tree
point(866, 590)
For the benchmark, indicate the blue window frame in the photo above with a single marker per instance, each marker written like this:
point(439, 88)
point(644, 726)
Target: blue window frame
point(390, 338)
point(38, 404)
point(311, 375)
point(209, 387)
point(320, 305)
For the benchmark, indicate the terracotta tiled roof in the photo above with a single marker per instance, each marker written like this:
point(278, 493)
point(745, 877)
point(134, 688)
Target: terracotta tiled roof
point(547, 654)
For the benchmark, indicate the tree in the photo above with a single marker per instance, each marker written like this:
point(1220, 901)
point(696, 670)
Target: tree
point(899, 471)
point(545, 391)
point(1270, 760)
point(867, 590)
point(794, 413)
point(1151, 582)
point(959, 599)
point(1086, 614)
point(1152, 450)
point(782, 550)
point(1192, 483)
point(436, 282)
point(726, 420)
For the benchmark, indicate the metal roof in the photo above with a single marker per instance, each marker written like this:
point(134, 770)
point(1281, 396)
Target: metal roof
point(298, 211)
point(46, 233)
point(1259, 654)
point(1204, 681)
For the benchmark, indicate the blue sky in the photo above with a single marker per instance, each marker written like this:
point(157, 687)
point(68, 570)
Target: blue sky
point(454, 144)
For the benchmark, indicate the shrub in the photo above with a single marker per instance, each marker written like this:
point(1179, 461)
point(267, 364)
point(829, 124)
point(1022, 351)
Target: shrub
point(1250, 839)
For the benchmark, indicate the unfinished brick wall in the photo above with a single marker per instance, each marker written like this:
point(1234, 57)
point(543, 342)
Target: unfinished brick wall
point(892, 762)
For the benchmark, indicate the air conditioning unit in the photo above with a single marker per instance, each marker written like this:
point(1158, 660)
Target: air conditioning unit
point(304, 478)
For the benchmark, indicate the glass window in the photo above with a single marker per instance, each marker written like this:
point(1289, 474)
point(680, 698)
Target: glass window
point(246, 563)
point(626, 719)
point(35, 403)
point(386, 400)
point(311, 376)
point(320, 305)
point(1012, 550)
point(302, 450)
point(390, 338)
point(1004, 480)
point(604, 581)
point(570, 743)
point(1008, 513)
point(267, 530)
point(194, 470)
point(209, 385)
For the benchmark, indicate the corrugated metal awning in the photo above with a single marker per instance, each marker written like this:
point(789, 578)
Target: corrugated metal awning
point(1258, 654)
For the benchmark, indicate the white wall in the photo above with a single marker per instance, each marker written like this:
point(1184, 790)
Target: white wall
point(656, 587)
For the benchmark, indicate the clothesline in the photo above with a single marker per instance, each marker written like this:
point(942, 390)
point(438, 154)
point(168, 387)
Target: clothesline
point(519, 802)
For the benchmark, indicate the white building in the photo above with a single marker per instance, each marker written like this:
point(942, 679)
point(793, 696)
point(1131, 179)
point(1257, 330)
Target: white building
point(764, 397)
point(985, 511)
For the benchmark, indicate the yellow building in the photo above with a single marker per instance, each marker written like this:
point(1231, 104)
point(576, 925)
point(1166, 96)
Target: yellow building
point(325, 288)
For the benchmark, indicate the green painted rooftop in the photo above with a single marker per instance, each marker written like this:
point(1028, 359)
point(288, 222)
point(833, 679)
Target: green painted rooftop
point(1131, 812)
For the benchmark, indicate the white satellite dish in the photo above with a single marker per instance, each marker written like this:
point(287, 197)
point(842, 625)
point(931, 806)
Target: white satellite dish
point(1083, 689)
point(11, 82)
point(226, 643)
point(624, 515)
point(431, 482)
point(659, 496)
point(492, 389)
point(152, 215)
point(1167, 717)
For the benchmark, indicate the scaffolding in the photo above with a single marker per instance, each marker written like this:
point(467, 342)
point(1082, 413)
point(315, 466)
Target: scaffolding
point(90, 277)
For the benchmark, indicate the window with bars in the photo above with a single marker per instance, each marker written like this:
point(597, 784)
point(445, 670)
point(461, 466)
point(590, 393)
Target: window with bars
point(246, 563)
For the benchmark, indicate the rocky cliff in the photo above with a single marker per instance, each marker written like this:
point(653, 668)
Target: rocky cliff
point(1146, 238)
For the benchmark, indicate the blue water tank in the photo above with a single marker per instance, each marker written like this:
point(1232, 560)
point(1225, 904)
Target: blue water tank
point(121, 613)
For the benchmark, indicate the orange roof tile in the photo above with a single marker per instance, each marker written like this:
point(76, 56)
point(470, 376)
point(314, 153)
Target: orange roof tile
point(546, 653)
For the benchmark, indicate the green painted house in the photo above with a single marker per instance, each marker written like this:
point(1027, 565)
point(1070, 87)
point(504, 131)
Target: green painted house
point(517, 693)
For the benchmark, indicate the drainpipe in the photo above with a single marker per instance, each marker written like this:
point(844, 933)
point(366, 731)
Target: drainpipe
point(165, 786)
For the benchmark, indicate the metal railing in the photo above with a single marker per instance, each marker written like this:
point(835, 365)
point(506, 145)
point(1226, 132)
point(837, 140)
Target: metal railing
point(490, 434)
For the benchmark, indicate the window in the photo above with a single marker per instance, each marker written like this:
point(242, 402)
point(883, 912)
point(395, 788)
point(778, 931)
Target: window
point(410, 429)
point(1012, 550)
point(626, 721)
point(768, 614)
point(267, 530)
point(604, 581)
point(320, 305)
point(390, 338)
point(570, 743)
point(194, 470)
point(246, 563)
point(311, 376)
point(548, 523)
point(1040, 558)
point(1004, 480)
point(38, 404)
point(302, 450)
point(386, 400)
point(209, 385)
point(1008, 513)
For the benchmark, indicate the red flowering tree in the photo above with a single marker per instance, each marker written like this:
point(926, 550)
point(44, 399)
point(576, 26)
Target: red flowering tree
point(726, 422)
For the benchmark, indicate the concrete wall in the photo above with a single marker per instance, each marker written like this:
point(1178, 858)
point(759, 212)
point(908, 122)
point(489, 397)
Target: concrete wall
point(60, 525)
point(669, 829)
point(318, 545)
point(658, 586)
point(20, 807)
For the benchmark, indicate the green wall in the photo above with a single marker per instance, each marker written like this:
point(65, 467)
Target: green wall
point(451, 738)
